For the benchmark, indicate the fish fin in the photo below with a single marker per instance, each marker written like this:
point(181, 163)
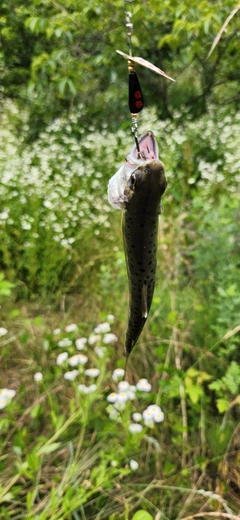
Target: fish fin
point(144, 301)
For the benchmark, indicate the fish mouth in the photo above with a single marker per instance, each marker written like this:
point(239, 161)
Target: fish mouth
point(148, 148)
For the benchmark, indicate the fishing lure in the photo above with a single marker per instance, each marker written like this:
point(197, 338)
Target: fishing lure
point(137, 188)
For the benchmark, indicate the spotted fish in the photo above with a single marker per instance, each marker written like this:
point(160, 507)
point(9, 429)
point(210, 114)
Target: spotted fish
point(137, 188)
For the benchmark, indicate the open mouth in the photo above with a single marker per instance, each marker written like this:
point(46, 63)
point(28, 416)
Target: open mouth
point(148, 148)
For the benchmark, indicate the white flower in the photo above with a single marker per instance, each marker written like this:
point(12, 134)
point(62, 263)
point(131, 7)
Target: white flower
point(137, 416)
point(122, 397)
point(7, 392)
point(109, 338)
point(71, 375)
point(93, 338)
point(71, 327)
point(123, 386)
point(131, 395)
point(3, 331)
point(78, 359)
point(118, 373)
point(92, 372)
point(65, 342)
point(135, 428)
point(100, 351)
point(38, 377)
point(114, 463)
point(134, 465)
point(110, 318)
point(56, 332)
point(61, 358)
point(159, 417)
point(157, 414)
point(148, 418)
point(102, 327)
point(121, 400)
point(87, 389)
point(112, 398)
point(153, 413)
point(3, 401)
point(80, 342)
point(143, 385)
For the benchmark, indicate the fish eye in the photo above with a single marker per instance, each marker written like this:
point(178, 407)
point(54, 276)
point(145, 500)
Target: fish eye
point(134, 179)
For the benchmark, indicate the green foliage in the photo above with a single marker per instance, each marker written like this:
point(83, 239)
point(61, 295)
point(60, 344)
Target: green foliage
point(142, 515)
point(5, 287)
point(49, 54)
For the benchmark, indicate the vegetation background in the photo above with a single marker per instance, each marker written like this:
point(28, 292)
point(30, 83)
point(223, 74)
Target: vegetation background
point(76, 443)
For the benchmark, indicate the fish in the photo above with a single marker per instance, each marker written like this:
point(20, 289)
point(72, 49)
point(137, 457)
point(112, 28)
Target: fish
point(137, 190)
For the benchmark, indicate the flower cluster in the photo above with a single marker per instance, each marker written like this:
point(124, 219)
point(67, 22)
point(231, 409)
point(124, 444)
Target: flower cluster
point(126, 392)
point(100, 337)
point(6, 395)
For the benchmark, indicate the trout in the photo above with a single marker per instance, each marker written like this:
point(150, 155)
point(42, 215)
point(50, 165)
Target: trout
point(137, 188)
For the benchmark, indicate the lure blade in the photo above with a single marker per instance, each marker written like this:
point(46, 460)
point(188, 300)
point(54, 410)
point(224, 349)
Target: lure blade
point(145, 63)
point(135, 99)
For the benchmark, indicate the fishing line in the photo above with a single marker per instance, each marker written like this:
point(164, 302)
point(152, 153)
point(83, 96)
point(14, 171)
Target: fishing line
point(135, 95)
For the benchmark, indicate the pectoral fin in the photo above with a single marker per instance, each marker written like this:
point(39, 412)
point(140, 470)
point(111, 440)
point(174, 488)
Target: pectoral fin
point(144, 301)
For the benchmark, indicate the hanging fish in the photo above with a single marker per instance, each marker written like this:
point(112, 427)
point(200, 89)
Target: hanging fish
point(137, 188)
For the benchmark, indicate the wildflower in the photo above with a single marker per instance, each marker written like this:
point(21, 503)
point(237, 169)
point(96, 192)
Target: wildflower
point(122, 397)
point(114, 463)
point(109, 338)
point(118, 373)
point(100, 351)
point(56, 332)
point(148, 419)
point(134, 465)
point(143, 385)
point(80, 343)
point(137, 416)
point(71, 375)
point(131, 395)
point(111, 398)
point(3, 331)
point(123, 386)
point(102, 327)
point(78, 359)
point(159, 417)
point(3, 401)
point(65, 342)
point(7, 392)
point(87, 389)
point(38, 377)
point(93, 338)
point(135, 428)
point(71, 327)
point(92, 372)
point(121, 400)
point(110, 318)
point(61, 358)
point(152, 414)
point(157, 414)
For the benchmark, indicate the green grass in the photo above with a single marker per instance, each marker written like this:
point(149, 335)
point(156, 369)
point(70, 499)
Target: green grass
point(67, 449)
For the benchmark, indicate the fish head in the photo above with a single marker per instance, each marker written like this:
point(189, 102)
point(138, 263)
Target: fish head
point(145, 188)
point(119, 188)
